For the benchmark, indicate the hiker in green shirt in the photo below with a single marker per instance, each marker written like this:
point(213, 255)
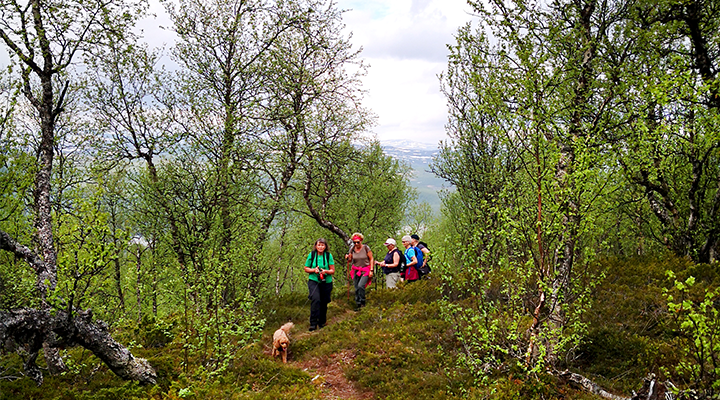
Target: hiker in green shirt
point(321, 267)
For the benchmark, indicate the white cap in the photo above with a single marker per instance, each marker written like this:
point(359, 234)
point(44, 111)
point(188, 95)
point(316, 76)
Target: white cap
point(390, 241)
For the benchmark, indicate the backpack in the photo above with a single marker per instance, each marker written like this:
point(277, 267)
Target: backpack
point(314, 257)
point(412, 273)
point(424, 270)
point(419, 255)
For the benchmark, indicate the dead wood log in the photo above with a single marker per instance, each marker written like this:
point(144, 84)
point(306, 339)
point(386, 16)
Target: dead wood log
point(587, 385)
point(54, 361)
point(652, 388)
point(30, 329)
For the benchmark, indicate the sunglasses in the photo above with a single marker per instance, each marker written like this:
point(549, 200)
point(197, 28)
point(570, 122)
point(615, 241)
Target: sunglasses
point(356, 241)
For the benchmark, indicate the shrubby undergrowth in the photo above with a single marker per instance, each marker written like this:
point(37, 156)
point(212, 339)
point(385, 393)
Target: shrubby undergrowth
point(404, 344)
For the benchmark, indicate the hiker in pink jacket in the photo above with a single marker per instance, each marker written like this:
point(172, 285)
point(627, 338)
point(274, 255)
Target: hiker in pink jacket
point(362, 271)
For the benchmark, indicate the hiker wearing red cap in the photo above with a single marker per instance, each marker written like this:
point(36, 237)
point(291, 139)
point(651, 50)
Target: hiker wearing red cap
point(362, 272)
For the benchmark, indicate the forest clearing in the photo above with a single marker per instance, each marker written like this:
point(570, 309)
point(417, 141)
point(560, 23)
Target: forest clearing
point(398, 347)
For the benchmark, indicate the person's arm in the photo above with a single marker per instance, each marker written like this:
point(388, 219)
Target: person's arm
point(426, 255)
point(413, 259)
point(396, 260)
point(331, 267)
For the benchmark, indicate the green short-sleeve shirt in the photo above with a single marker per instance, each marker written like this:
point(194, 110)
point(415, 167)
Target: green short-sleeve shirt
point(322, 261)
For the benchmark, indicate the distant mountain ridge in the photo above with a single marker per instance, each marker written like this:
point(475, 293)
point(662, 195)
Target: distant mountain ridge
point(419, 156)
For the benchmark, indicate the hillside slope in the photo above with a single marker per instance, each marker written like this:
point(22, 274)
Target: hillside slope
point(398, 347)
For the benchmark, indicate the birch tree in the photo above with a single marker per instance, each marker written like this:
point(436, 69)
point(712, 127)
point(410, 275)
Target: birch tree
point(669, 149)
point(528, 104)
point(44, 40)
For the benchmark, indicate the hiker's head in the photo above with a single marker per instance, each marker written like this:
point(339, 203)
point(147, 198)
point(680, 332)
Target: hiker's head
point(414, 239)
point(357, 238)
point(406, 241)
point(321, 245)
point(390, 243)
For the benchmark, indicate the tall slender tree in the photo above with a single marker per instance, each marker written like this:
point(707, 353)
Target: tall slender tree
point(44, 40)
point(528, 103)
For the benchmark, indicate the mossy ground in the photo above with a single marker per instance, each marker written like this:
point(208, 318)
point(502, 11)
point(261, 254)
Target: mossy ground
point(397, 347)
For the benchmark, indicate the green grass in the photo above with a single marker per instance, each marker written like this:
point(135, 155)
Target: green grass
point(399, 348)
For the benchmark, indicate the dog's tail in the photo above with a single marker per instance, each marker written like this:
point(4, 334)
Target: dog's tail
point(287, 327)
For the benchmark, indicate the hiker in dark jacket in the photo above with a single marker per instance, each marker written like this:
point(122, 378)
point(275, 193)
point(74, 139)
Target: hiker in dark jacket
point(321, 267)
point(391, 265)
point(424, 269)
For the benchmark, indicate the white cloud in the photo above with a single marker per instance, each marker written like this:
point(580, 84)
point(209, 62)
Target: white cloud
point(405, 43)
point(403, 28)
point(405, 95)
point(156, 27)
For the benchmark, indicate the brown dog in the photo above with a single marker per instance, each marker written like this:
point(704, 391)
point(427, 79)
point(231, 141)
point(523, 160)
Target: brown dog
point(281, 341)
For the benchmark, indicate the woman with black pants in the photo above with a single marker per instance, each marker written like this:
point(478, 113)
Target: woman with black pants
point(321, 267)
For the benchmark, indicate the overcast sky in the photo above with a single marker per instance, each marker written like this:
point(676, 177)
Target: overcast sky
point(404, 42)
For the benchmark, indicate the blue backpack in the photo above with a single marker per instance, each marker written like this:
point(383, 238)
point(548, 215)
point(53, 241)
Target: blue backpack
point(426, 270)
point(419, 255)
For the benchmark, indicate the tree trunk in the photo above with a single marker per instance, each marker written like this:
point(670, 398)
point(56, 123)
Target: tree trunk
point(54, 361)
point(565, 180)
point(587, 385)
point(315, 214)
point(30, 328)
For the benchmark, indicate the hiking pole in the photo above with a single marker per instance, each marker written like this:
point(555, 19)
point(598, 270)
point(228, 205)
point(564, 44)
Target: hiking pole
point(375, 275)
point(349, 279)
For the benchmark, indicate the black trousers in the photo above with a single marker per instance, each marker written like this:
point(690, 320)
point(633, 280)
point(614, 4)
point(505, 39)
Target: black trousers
point(319, 295)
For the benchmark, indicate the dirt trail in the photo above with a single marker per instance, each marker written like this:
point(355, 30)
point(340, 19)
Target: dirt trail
point(328, 372)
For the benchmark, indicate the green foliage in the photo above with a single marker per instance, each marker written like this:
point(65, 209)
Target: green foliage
point(399, 346)
point(16, 285)
point(155, 333)
point(697, 314)
point(553, 135)
point(630, 331)
point(359, 188)
point(587, 134)
point(87, 248)
point(16, 177)
point(213, 336)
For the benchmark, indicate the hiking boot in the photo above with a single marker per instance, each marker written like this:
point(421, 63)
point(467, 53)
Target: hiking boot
point(313, 327)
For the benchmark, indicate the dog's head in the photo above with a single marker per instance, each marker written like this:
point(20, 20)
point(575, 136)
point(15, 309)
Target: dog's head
point(284, 343)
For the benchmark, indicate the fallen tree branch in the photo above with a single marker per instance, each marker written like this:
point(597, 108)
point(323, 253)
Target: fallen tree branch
point(587, 385)
point(652, 389)
point(30, 328)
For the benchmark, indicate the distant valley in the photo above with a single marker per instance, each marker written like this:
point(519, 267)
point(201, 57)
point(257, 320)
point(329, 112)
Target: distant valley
point(419, 156)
